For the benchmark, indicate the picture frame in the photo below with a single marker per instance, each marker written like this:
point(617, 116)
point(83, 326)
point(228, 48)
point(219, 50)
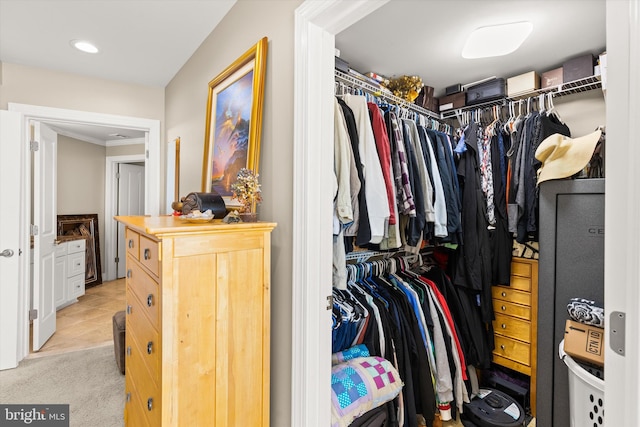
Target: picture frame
point(84, 226)
point(234, 121)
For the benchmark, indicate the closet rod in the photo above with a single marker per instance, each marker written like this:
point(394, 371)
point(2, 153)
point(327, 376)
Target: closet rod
point(384, 94)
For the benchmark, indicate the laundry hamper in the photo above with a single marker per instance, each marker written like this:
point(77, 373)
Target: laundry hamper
point(586, 394)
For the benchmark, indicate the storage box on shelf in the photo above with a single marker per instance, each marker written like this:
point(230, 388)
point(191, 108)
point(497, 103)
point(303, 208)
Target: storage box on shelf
point(515, 325)
point(198, 322)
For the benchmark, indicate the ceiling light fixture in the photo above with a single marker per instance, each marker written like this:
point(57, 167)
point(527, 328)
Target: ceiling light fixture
point(84, 46)
point(496, 40)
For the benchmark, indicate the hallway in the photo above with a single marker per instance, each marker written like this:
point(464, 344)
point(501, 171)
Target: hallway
point(87, 323)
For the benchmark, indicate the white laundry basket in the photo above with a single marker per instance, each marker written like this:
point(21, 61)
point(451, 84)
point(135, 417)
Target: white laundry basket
point(586, 394)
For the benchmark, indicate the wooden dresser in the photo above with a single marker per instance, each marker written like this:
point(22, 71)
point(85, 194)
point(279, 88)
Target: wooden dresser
point(198, 323)
point(516, 322)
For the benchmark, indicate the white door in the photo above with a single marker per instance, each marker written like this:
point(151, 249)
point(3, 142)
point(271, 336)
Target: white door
point(130, 202)
point(10, 136)
point(44, 239)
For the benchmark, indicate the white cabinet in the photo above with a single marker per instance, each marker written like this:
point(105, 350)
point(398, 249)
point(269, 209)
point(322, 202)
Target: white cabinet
point(68, 283)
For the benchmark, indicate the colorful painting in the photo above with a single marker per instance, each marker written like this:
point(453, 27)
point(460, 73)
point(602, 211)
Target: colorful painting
point(234, 121)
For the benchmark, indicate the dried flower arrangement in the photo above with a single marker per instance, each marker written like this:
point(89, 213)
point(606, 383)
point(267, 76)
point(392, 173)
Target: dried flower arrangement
point(246, 190)
point(405, 87)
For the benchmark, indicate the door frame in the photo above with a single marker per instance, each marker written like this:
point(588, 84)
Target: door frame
point(110, 205)
point(50, 114)
point(316, 24)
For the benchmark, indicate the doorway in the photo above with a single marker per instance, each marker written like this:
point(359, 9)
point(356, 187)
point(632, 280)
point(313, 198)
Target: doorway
point(29, 113)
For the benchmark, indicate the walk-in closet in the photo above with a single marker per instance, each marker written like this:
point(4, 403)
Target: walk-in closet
point(455, 258)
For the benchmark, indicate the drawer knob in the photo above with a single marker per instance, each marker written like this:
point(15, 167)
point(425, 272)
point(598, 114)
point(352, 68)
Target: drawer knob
point(129, 397)
point(504, 326)
point(147, 254)
point(129, 273)
point(129, 351)
point(502, 346)
point(130, 243)
point(128, 309)
point(504, 294)
point(149, 300)
point(149, 347)
point(503, 308)
point(150, 403)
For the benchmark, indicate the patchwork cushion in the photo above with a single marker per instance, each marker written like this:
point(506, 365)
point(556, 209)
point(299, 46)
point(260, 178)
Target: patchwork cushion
point(359, 385)
point(359, 350)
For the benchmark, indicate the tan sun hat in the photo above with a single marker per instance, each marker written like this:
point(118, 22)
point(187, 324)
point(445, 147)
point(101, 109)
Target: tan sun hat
point(562, 156)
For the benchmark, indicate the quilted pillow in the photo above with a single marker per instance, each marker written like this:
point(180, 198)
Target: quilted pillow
point(359, 350)
point(359, 385)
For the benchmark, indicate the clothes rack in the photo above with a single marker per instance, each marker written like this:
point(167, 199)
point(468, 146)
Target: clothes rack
point(384, 94)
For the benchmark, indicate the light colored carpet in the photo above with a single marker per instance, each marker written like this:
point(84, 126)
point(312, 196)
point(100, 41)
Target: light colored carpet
point(88, 380)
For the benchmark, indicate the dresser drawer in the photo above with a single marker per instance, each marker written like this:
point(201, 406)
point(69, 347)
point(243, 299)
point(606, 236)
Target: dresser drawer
point(521, 268)
point(511, 309)
point(132, 239)
point(146, 291)
point(133, 415)
point(149, 254)
point(520, 283)
point(513, 349)
point(75, 246)
point(75, 264)
point(148, 389)
point(512, 327)
point(505, 293)
point(148, 342)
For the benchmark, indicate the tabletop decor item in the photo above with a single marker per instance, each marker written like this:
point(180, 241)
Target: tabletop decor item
point(246, 190)
point(234, 121)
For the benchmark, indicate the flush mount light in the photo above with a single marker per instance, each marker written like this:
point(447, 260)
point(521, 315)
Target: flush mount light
point(496, 40)
point(84, 46)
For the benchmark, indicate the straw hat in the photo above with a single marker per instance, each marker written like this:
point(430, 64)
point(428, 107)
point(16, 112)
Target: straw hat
point(562, 156)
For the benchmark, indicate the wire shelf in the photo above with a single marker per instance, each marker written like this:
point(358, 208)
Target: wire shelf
point(384, 93)
point(569, 88)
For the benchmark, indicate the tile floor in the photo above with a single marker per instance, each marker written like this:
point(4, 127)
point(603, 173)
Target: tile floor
point(87, 323)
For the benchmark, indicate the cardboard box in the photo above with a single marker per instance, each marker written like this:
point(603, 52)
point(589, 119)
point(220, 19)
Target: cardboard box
point(584, 342)
point(457, 100)
point(577, 68)
point(523, 83)
point(551, 78)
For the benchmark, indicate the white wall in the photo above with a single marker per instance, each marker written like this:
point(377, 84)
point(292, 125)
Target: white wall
point(186, 97)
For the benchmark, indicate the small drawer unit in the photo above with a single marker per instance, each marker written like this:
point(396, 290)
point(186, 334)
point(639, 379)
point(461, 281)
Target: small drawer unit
point(515, 328)
point(69, 273)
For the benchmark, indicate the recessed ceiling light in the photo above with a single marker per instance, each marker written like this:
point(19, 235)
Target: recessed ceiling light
point(496, 40)
point(84, 46)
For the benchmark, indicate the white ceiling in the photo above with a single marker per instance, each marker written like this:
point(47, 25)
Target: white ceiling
point(147, 41)
point(143, 42)
point(425, 38)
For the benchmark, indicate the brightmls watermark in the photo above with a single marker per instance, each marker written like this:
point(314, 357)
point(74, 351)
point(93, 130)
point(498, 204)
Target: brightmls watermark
point(34, 415)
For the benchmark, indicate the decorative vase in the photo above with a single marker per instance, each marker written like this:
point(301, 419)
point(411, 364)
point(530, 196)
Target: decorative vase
point(248, 216)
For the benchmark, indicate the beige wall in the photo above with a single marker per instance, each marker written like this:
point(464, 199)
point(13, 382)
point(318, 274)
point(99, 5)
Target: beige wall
point(36, 86)
point(81, 170)
point(582, 112)
point(186, 96)
point(125, 150)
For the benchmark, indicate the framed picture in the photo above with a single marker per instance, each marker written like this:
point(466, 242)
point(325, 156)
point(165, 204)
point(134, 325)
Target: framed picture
point(84, 226)
point(234, 121)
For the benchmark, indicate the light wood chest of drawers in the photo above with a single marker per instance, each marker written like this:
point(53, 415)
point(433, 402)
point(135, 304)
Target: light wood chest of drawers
point(516, 323)
point(198, 323)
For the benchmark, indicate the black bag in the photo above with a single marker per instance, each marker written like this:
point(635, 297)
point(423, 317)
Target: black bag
point(204, 201)
point(487, 91)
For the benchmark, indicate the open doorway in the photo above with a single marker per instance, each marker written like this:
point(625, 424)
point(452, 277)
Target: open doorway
point(150, 157)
